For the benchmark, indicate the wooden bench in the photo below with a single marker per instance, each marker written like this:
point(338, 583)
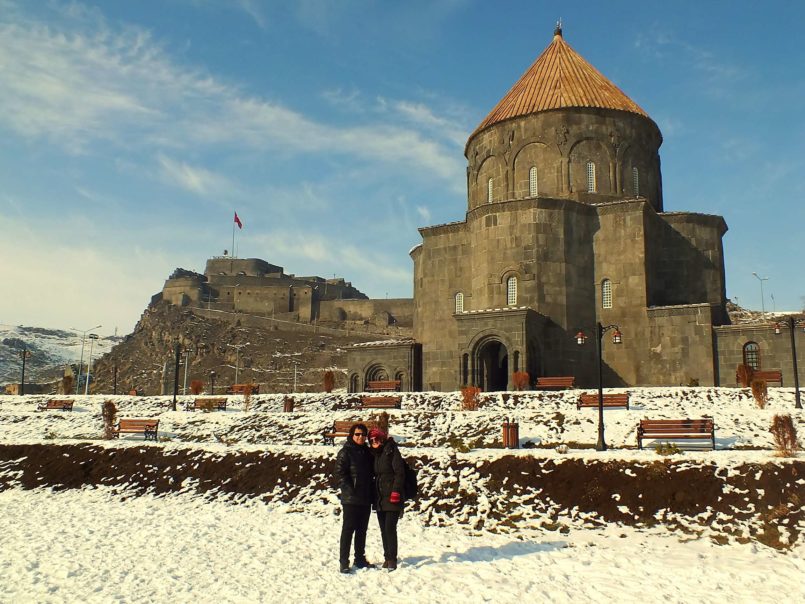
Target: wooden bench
point(146, 427)
point(241, 388)
point(380, 402)
point(341, 428)
point(208, 403)
point(55, 404)
point(771, 375)
point(555, 383)
point(676, 429)
point(610, 400)
point(383, 386)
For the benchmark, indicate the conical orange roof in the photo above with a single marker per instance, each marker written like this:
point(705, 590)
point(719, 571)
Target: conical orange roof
point(559, 78)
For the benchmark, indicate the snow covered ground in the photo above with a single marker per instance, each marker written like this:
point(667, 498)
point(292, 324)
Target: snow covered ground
point(109, 543)
point(90, 545)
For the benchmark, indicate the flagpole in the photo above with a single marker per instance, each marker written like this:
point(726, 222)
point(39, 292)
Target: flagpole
point(233, 239)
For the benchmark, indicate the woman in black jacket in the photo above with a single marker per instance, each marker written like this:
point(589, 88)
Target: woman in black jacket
point(355, 472)
point(389, 483)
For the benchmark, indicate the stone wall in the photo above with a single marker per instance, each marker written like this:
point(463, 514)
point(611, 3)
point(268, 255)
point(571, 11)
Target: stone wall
point(775, 351)
point(382, 312)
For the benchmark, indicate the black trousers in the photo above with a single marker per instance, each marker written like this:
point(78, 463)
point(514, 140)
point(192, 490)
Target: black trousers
point(355, 521)
point(388, 530)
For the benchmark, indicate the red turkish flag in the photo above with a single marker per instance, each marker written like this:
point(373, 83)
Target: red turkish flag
point(237, 221)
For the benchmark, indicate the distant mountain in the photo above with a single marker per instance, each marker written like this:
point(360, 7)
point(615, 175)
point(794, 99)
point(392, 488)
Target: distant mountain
point(51, 350)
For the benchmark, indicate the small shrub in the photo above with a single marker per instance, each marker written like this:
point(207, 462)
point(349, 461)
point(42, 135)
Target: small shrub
point(457, 443)
point(247, 396)
point(760, 392)
point(196, 387)
point(109, 413)
point(288, 404)
point(470, 397)
point(667, 449)
point(382, 420)
point(520, 380)
point(67, 384)
point(744, 375)
point(693, 382)
point(329, 381)
point(785, 435)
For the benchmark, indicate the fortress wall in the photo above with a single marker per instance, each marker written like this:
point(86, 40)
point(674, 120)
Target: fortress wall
point(400, 309)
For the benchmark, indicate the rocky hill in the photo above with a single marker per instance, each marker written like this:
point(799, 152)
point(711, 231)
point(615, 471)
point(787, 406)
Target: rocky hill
point(271, 353)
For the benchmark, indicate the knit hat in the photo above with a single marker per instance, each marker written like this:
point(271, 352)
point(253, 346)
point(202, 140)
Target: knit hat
point(378, 434)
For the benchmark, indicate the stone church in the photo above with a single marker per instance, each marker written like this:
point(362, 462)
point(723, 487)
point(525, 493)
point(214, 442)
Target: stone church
point(565, 228)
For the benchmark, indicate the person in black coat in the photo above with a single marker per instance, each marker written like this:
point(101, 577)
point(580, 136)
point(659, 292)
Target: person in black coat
point(355, 473)
point(389, 471)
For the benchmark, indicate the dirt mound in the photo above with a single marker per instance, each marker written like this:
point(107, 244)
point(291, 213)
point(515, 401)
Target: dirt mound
point(745, 502)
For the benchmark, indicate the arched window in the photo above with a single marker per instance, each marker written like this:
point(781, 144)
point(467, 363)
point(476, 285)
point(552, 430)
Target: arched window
point(489, 191)
point(591, 184)
point(635, 181)
point(532, 181)
point(511, 291)
point(752, 355)
point(606, 293)
point(459, 302)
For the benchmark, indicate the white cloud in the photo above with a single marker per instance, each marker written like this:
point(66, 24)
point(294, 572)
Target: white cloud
point(62, 282)
point(197, 180)
point(424, 213)
point(75, 89)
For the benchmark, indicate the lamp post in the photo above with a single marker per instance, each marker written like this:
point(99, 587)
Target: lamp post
point(188, 352)
point(295, 368)
point(92, 338)
point(617, 338)
point(792, 325)
point(81, 362)
point(237, 347)
point(762, 298)
point(212, 382)
point(177, 351)
point(24, 355)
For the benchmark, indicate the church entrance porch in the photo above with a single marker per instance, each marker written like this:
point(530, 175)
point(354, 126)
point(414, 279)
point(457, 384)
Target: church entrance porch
point(492, 366)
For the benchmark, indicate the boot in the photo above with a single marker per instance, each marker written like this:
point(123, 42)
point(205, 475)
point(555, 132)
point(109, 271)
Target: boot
point(344, 566)
point(390, 564)
point(362, 562)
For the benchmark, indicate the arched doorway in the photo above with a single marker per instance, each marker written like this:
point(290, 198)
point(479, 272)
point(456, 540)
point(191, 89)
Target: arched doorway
point(492, 363)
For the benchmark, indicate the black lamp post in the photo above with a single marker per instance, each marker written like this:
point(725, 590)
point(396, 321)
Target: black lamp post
point(24, 354)
point(617, 338)
point(177, 349)
point(792, 325)
point(212, 382)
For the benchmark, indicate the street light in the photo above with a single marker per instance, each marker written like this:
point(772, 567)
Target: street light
point(792, 324)
point(237, 357)
point(92, 338)
point(24, 354)
point(295, 368)
point(188, 352)
point(81, 362)
point(762, 298)
point(617, 338)
point(177, 348)
point(212, 382)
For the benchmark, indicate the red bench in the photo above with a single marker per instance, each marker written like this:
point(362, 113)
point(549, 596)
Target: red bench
point(57, 404)
point(676, 429)
point(610, 400)
point(555, 383)
point(207, 404)
point(146, 427)
point(380, 402)
point(242, 388)
point(341, 429)
point(383, 385)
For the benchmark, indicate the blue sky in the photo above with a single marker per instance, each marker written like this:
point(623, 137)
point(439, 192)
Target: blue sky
point(131, 131)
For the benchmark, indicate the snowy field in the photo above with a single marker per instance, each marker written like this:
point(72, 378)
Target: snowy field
point(73, 546)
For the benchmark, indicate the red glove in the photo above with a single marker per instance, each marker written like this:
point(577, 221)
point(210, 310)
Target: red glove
point(395, 497)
